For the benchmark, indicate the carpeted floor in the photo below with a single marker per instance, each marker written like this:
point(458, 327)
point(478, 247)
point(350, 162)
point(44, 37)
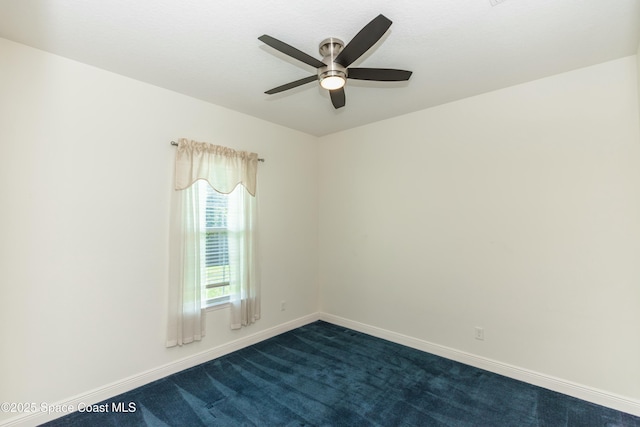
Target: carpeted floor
point(327, 375)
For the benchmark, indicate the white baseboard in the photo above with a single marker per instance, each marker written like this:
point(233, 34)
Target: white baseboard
point(579, 391)
point(110, 390)
point(559, 385)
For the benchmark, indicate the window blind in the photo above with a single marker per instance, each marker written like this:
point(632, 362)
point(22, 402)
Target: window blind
point(214, 263)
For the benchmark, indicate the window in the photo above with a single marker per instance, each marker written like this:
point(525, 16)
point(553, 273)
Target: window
point(214, 246)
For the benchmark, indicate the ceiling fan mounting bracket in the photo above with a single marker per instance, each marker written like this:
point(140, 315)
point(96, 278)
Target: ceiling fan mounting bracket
point(331, 47)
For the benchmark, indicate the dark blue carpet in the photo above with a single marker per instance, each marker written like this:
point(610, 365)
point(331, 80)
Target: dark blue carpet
point(327, 375)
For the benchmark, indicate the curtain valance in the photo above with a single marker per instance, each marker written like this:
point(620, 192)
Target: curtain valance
point(224, 168)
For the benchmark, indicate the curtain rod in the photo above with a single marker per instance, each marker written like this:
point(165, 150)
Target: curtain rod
point(176, 144)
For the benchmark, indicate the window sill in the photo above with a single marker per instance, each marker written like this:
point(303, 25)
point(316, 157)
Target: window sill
point(218, 306)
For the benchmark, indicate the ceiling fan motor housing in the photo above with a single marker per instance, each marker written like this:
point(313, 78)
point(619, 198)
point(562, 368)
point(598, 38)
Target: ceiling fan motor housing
point(329, 49)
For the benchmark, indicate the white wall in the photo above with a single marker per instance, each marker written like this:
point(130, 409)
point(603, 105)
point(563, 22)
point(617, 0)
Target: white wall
point(638, 70)
point(516, 210)
point(85, 172)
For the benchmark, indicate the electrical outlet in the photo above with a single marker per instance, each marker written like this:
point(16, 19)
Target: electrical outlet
point(479, 333)
point(283, 305)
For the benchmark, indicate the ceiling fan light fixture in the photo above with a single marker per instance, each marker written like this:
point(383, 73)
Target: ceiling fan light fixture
point(333, 82)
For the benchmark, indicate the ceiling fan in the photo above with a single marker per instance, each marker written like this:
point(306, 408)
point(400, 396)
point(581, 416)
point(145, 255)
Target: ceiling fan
point(333, 69)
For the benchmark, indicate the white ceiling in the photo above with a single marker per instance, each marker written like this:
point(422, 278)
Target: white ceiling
point(209, 49)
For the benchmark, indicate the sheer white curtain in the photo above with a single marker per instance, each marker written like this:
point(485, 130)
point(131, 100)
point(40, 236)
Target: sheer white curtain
point(229, 172)
point(242, 235)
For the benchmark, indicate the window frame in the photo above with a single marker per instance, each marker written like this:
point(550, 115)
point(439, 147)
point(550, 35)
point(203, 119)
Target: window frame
point(224, 300)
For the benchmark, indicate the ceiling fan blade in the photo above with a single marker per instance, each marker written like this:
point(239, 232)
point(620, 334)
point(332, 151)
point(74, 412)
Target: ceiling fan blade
point(291, 85)
point(338, 98)
point(291, 51)
point(362, 42)
point(379, 74)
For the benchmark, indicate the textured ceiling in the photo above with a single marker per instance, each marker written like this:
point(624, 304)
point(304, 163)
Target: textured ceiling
point(209, 49)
